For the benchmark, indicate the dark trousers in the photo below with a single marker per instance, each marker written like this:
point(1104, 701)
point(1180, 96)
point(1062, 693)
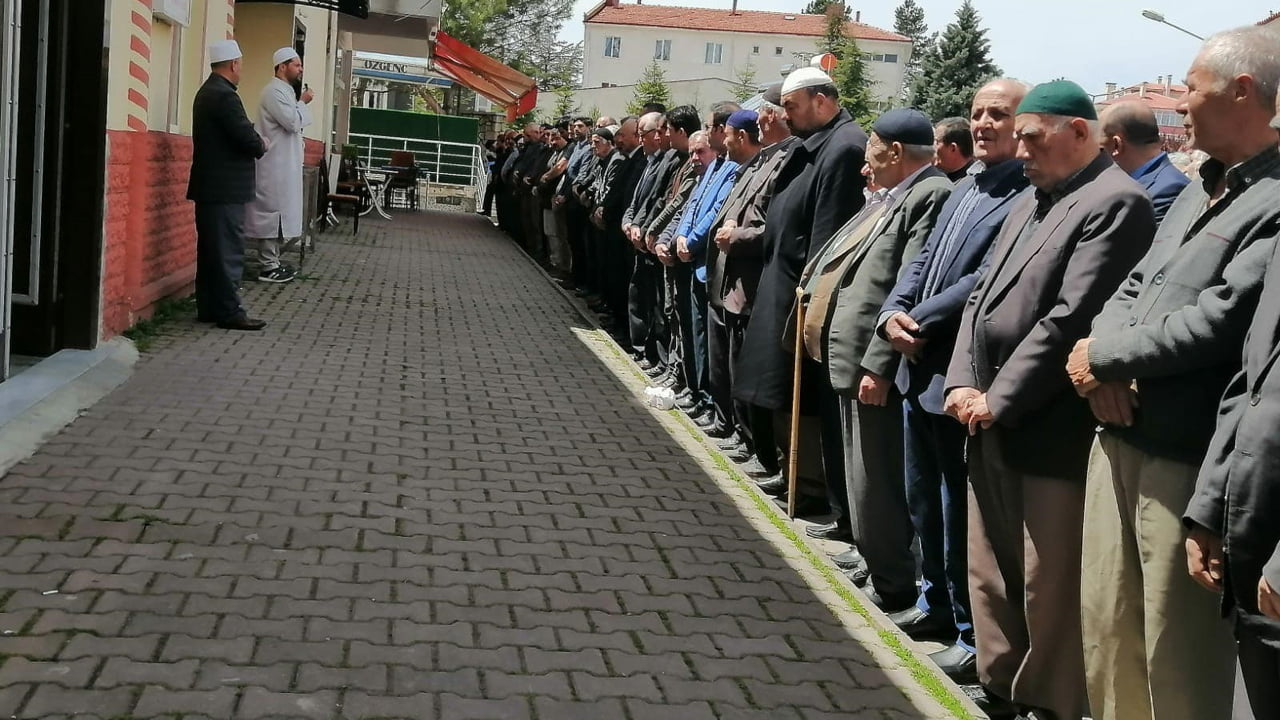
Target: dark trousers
point(219, 260)
point(818, 386)
point(760, 432)
point(877, 497)
point(531, 211)
point(698, 320)
point(1257, 691)
point(489, 191)
point(644, 307)
point(724, 342)
point(937, 497)
point(576, 220)
point(681, 273)
point(620, 259)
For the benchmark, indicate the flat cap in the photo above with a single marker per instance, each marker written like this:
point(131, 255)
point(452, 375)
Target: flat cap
point(773, 94)
point(904, 125)
point(745, 120)
point(603, 132)
point(1059, 97)
point(805, 77)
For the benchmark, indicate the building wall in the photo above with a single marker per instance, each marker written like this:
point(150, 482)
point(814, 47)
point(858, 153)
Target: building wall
point(613, 101)
point(155, 70)
point(688, 56)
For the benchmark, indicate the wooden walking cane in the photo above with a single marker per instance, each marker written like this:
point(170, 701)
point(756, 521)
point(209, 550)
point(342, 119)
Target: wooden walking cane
point(793, 462)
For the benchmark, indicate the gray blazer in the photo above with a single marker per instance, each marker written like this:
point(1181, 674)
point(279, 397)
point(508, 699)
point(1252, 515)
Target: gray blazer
point(1038, 298)
point(852, 343)
point(1177, 324)
point(1238, 494)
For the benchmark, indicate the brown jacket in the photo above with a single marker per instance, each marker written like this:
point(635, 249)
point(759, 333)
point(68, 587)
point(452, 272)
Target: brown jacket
point(1038, 298)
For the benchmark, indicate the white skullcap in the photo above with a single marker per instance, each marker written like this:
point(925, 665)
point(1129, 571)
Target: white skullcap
point(283, 55)
point(804, 77)
point(224, 50)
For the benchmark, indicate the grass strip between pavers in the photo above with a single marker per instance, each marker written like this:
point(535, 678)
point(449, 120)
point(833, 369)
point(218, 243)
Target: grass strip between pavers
point(919, 672)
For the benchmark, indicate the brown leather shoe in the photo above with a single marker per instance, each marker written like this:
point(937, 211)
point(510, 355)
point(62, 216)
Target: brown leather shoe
point(242, 322)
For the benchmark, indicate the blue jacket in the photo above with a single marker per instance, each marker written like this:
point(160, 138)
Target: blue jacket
point(700, 214)
point(939, 314)
point(1163, 183)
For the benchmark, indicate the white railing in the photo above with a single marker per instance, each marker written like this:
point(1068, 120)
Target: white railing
point(438, 161)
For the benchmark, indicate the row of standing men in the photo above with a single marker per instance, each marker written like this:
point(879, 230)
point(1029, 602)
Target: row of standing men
point(1054, 372)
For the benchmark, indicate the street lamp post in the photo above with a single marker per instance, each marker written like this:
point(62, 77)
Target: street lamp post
point(1158, 16)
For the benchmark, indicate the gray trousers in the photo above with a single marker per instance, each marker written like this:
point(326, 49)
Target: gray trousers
point(874, 481)
point(269, 251)
point(1257, 693)
point(219, 260)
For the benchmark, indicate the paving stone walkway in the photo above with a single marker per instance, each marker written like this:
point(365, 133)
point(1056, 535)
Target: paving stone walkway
point(428, 490)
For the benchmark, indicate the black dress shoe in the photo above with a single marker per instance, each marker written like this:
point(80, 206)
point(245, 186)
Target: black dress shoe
point(688, 402)
point(829, 531)
point(773, 485)
point(702, 415)
point(754, 469)
point(656, 371)
point(806, 505)
point(957, 663)
point(741, 454)
point(731, 442)
point(920, 625)
point(858, 575)
point(242, 322)
point(848, 559)
point(720, 430)
point(994, 706)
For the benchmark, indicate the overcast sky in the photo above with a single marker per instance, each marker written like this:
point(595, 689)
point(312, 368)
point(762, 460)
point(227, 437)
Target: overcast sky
point(1090, 41)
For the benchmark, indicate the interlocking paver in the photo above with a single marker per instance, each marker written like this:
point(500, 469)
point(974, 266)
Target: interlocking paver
point(427, 490)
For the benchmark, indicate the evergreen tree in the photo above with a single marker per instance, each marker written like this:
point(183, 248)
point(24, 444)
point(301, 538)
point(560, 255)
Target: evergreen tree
point(565, 103)
point(652, 88)
point(819, 7)
point(954, 69)
point(850, 75)
point(908, 20)
point(744, 85)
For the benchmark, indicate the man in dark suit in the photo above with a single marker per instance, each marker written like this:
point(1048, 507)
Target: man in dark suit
point(225, 149)
point(819, 189)
point(920, 319)
point(1168, 342)
point(734, 263)
point(618, 190)
point(1131, 135)
point(644, 292)
point(1061, 253)
point(845, 286)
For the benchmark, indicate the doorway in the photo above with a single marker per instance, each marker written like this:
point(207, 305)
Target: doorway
point(55, 225)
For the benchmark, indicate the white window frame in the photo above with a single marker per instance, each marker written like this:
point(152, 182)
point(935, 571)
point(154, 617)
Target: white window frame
point(714, 54)
point(612, 46)
point(661, 49)
point(894, 57)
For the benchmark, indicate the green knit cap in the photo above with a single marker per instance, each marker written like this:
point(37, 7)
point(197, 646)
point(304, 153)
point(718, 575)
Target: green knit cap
point(1060, 97)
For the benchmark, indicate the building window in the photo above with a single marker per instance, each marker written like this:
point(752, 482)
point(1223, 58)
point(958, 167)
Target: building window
point(166, 73)
point(890, 58)
point(662, 50)
point(612, 46)
point(755, 49)
point(777, 50)
point(715, 53)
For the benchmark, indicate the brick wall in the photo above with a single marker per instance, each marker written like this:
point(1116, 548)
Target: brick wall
point(151, 239)
point(151, 234)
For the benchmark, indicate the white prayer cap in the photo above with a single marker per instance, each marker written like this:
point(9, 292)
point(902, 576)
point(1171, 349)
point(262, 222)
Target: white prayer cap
point(804, 77)
point(283, 55)
point(224, 50)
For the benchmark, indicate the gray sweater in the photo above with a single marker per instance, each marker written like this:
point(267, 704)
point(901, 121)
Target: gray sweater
point(1178, 322)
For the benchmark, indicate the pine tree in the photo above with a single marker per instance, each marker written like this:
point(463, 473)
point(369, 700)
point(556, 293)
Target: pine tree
point(819, 7)
point(652, 88)
point(850, 74)
point(908, 20)
point(744, 85)
point(958, 65)
point(565, 103)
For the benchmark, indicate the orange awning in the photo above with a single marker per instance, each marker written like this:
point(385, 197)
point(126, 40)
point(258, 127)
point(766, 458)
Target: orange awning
point(513, 90)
